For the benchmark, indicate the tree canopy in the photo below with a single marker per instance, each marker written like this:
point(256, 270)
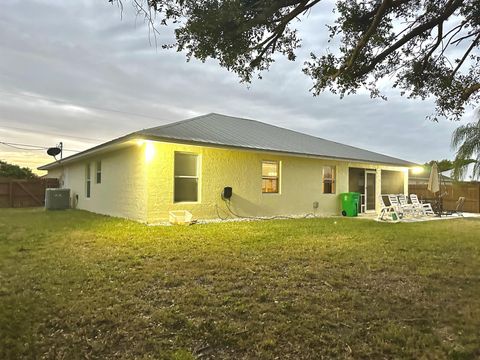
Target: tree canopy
point(443, 165)
point(15, 172)
point(428, 47)
point(466, 139)
point(450, 165)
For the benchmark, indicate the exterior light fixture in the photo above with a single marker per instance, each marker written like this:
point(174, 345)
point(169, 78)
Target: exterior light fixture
point(149, 151)
point(417, 170)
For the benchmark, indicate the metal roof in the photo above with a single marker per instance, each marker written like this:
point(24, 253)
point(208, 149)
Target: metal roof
point(217, 129)
point(233, 132)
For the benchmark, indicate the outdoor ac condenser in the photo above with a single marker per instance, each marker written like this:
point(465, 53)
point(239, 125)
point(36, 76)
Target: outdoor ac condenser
point(57, 199)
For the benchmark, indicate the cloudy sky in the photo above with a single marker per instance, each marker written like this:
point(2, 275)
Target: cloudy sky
point(83, 73)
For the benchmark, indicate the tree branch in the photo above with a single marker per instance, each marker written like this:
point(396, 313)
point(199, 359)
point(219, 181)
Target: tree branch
point(459, 40)
point(474, 43)
point(368, 34)
point(278, 31)
point(470, 90)
point(436, 45)
point(370, 14)
point(449, 10)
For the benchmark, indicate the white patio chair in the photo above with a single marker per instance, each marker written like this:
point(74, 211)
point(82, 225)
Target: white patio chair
point(395, 203)
point(401, 210)
point(425, 208)
point(409, 208)
point(387, 212)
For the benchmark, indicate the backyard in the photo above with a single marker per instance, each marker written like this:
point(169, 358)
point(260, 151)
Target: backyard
point(75, 285)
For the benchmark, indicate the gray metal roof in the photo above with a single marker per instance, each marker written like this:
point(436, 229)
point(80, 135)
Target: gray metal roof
point(217, 129)
point(233, 132)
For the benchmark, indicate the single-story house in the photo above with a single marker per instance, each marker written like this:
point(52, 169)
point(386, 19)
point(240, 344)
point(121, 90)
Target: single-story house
point(187, 164)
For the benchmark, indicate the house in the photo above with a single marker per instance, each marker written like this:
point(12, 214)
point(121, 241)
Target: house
point(187, 164)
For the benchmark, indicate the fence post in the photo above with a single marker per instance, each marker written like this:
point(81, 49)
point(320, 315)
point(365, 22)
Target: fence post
point(478, 197)
point(10, 193)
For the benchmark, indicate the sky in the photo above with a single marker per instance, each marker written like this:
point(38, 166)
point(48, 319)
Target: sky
point(83, 72)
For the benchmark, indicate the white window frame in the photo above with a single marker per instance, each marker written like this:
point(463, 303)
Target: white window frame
point(88, 181)
point(278, 163)
point(333, 179)
point(197, 177)
point(98, 172)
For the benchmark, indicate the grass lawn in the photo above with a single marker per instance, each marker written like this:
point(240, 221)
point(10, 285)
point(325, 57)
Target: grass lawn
point(74, 285)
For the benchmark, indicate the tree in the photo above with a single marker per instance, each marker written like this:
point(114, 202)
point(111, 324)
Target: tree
point(451, 165)
point(429, 47)
point(16, 172)
point(443, 165)
point(466, 139)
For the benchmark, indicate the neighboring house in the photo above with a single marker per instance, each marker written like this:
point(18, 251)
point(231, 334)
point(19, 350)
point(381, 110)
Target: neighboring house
point(186, 165)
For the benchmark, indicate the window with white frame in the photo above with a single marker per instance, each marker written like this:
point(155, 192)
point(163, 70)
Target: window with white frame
point(98, 168)
point(270, 177)
point(88, 180)
point(328, 180)
point(186, 177)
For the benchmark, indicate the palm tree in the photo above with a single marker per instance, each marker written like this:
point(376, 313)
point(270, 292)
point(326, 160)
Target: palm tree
point(466, 139)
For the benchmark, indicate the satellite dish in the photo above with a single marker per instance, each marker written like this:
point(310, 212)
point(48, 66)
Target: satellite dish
point(54, 151)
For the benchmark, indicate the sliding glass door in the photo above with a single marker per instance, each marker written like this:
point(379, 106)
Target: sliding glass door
point(370, 190)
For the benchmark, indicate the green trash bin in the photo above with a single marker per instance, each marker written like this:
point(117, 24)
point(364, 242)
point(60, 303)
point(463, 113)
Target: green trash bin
point(350, 203)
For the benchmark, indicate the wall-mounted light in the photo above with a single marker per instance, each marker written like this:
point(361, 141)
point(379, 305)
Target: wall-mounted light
point(149, 151)
point(417, 170)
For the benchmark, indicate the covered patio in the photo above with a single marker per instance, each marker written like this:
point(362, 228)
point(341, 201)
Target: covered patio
point(374, 183)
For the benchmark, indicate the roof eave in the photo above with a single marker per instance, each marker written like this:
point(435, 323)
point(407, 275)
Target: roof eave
point(225, 146)
point(138, 135)
point(89, 152)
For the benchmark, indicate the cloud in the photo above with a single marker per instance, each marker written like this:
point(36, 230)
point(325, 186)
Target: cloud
point(82, 73)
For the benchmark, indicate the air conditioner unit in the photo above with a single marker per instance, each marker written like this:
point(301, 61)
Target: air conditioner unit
point(57, 199)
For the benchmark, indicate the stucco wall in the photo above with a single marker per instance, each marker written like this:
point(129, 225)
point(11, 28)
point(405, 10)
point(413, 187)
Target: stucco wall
point(122, 189)
point(138, 183)
point(54, 173)
point(300, 183)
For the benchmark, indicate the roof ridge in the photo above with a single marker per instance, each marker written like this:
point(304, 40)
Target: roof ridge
point(176, 123)
point(304, 134)
point(305, 143)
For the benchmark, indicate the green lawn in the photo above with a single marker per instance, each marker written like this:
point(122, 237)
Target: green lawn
point(74, 285)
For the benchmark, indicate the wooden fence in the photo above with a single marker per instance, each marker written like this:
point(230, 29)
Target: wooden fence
point(469, 190)
point(24, 193)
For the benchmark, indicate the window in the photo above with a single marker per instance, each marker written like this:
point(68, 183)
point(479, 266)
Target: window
point(99, 172)
point(392, 182)
point(328, 180)
point(87, 180)
point(186, 177)
point(270, 177)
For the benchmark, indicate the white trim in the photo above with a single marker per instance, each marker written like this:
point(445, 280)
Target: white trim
point(267, 177)
point(374, 172)
point(88, 181)
point(129, 140)
point(196, 177)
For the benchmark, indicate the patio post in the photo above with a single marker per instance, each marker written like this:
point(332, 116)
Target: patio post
point(378, 190)
point(405, 181)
